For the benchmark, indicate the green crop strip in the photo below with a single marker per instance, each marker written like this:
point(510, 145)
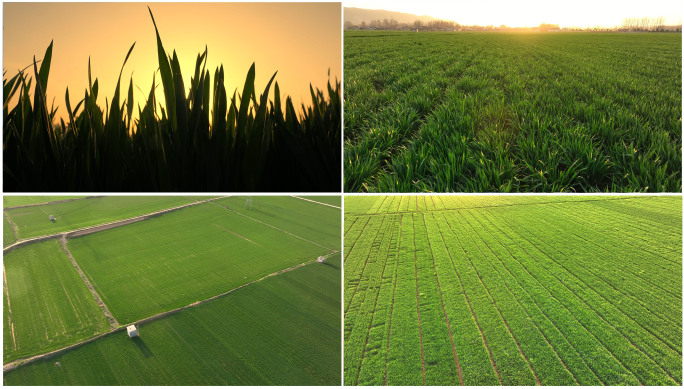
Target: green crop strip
point(528, 290)
point(242, 142)
point(48, 304)
point(507, 112)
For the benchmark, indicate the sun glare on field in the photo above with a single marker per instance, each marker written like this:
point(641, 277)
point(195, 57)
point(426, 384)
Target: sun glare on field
point(299, 41)
point(531, 13)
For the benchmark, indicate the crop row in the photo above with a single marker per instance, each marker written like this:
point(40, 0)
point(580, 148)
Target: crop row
point(557, 294)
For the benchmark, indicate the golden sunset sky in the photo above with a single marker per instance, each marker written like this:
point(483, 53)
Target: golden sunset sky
point(299, 40)
point(530, 13)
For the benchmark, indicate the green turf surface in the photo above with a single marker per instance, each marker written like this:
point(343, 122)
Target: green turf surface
point(13, 201)
point(34, 221)
point(7, 233)
point(483, 290)
point(284, 330)
point(512, 112)
point(50, 305)
point(201, 251)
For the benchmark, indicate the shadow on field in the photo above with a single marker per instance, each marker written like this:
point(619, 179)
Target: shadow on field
point(146, 352)
point(331, 265)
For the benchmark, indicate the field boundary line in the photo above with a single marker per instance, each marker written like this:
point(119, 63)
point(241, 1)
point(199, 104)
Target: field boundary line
point(472, 313)
point(11, 223)
point(49, 203)
point(647, 355)
point(570, 312)
point(420, 326)
point(9, 307)
point(113, 323)
point(317, 202)
point(101, 227)
point(394, 289)
point(441, 299)
point(274, 227)
point(27, 360)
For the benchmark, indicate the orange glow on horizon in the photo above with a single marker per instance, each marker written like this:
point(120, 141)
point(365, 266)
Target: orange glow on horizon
point(301, 41)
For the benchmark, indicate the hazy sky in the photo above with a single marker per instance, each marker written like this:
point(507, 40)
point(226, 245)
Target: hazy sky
point(581, 13)
point(301, 41)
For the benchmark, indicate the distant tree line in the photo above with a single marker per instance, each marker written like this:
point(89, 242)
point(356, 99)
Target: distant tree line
point(629, 24)
point(644, 24)
point(393, 24)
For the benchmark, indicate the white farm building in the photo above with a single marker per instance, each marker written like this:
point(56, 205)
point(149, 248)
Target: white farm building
point(320, 259)
point(132, 331)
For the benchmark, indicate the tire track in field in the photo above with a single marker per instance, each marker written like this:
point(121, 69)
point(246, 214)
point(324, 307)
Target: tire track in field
point(238, 235)
point(572, 314)
point(317, 202)
point(11, 223)
point(113, 323)
point(25, 361)
point(542, 312)
point(441, 299)
point(394, 290)
point(420, 328)
point(627, 338)
point(375, 305)
point(472, 313)
point(10, 324)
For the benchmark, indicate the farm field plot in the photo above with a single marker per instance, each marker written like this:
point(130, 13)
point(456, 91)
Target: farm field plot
point(509, 112)
point(48, 305)
point(33, 221)
point(283, 330)
point(7, 233)
point(13, 201)
point(332, 200)
point(523, 290)
point(197, 252)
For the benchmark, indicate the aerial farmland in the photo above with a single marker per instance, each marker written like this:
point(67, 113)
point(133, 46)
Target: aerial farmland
point(513, 290)
point(220, 291)
point(512, 112)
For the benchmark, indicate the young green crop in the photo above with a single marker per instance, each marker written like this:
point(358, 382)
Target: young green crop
point(514, 290)
point(239, 143)
point(509, 112)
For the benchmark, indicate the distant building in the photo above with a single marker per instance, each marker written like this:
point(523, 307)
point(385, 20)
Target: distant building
point(320, 259)
point(132, 331)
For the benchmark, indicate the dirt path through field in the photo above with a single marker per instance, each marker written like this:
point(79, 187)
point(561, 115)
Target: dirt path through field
point(236, 234)
point(50, 202)
point(24, 361)
point(317, 202)
point(11, 223)
point(9, 307)
point(105, 310)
